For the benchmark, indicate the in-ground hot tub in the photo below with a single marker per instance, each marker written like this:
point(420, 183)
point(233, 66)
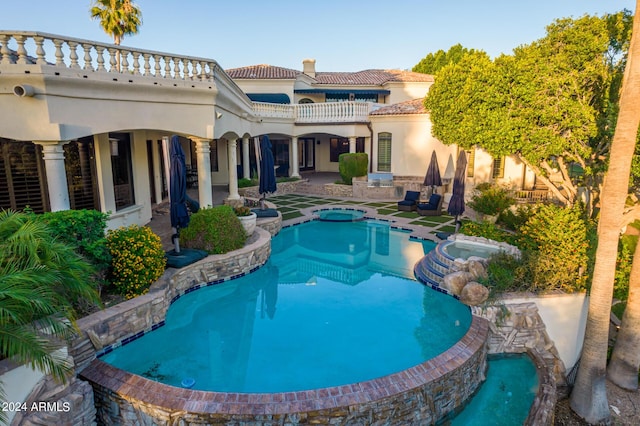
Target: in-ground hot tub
point(464, 247)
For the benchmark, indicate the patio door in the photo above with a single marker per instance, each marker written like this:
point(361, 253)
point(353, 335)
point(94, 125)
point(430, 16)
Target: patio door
point(306, 154)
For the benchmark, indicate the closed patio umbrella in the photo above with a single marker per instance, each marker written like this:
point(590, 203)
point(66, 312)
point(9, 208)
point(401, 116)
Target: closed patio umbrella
point(177, 189)
point(267, 172)
point(456, 204)
point(433, 178)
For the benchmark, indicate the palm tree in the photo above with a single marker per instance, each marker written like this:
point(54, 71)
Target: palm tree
point(589, 396)
point(117, 17)
point(625, 359)
point(40, 278)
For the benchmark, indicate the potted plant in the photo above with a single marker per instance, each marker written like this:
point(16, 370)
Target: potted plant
point(247, 218)
point(490, 200)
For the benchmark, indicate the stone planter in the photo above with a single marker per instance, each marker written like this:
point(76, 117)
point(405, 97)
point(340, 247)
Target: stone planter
point(249, 223)
point(489, 218)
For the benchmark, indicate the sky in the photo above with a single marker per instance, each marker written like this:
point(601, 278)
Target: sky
point(341, 35)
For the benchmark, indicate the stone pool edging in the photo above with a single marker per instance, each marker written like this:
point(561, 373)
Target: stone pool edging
point(109, 328)
point(419, 395)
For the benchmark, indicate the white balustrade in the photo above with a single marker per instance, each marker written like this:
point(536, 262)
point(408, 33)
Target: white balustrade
point(329, 112)
point(28, 48)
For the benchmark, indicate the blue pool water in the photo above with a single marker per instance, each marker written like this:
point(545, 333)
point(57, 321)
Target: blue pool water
point(335, 304)
point(505, 397)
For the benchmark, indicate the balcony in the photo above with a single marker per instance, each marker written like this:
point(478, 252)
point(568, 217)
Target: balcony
point(330, 112)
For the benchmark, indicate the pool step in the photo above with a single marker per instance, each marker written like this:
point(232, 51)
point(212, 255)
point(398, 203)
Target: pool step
point(430, 269)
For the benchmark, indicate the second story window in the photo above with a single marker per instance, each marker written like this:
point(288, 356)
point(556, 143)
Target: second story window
point(498, 167)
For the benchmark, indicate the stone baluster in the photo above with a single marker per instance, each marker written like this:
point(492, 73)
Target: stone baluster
point(147, 64)
point(167, 66)
point(124, 61)
point(136, 62)
point(59, 54)
point(73, 55)
point(176, 68)
point(158, 70)
point(87, 56)
point(185, 67)
point(40, 59)
point(112, 60)
point(21, 51)
point(4, 50)
point(203, 70)
point(100, 58)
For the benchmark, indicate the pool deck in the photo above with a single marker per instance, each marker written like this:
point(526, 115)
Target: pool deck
point(298, 207)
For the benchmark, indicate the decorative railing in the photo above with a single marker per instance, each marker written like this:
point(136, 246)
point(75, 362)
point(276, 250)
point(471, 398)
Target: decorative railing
point(24, 48)
point(531, 196)
point(330, 112)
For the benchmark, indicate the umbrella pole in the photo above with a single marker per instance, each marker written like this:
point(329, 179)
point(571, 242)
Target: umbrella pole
point(176, 240)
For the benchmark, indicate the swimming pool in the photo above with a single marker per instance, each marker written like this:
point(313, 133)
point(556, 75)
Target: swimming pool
point(336, 304)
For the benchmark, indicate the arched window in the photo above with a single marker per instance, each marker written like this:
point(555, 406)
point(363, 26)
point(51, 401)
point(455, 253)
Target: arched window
point(305, 101)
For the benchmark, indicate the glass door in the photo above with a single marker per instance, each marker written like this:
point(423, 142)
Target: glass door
point(306, 154)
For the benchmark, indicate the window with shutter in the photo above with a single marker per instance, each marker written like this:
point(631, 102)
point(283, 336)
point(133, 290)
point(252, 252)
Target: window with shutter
point(384, 152)
point(22, 177)
point(79, 160)
point(498, 167)
point(121, 168)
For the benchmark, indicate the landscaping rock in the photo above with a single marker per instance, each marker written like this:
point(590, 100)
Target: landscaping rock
point(456, 281)
point(477, 269)
point(474, 294)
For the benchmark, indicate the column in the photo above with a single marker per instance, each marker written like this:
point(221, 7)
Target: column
point(233, 169)
point(203, 161)
point(352, 144)
point(246, 170)
point(53, 155)
point(367, 150)
point(295, 163)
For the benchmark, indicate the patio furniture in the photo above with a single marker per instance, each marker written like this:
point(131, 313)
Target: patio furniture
point(410, 201)
point(432, 208)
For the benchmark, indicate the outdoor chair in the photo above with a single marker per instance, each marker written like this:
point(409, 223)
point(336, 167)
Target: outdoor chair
point(431, 208)
point(410, 201)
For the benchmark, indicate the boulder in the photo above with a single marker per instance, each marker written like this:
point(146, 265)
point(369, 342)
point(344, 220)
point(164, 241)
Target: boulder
point(474, 294)
point(455, 281)
point(477, 269)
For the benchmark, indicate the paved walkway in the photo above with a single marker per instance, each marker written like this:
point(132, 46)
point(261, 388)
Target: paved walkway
point(298, 207)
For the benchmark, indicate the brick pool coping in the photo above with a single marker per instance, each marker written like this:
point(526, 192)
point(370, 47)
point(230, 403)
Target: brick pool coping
point(169, 399)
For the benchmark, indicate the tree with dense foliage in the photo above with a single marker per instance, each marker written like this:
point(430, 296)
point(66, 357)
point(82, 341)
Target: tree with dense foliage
point(589, 395)
point(433, 62)
point(551, 103)
point(118, 18)
point(40, 281)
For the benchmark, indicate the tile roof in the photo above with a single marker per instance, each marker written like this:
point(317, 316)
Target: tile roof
point(364, 78)
point(263, 72)
point(415, 106)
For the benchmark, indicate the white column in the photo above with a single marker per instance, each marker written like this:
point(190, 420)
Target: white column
point(246, 170)
point(367, 150)
point(352, 144)
point(203, 150)
point(295, 169)
point(53, 155)
point(233, 169)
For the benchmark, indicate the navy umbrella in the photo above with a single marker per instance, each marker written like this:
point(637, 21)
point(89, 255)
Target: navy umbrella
point(456, 204)
point(433, 178)
point(267, 171)
point(177, 189)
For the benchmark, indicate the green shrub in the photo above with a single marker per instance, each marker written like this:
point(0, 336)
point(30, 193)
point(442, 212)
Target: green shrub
point(352, 165)
point(556, 239)
point(137, 259)
point(245, 183)
point(502, 272)
point(626, 248)
point(84, 230)
point(487, 230)
point(513, 219)
point(491, 199)
point(216, 230)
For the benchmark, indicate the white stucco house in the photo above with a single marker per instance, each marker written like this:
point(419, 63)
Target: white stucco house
point(81, 128)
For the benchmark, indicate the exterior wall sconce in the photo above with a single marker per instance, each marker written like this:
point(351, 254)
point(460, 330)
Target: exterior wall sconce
point(218, 115)
point(23, 90)
point(113, 145)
